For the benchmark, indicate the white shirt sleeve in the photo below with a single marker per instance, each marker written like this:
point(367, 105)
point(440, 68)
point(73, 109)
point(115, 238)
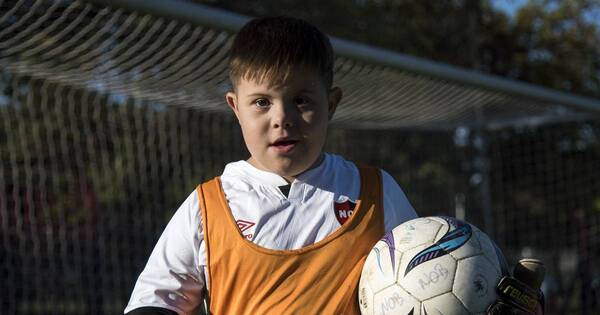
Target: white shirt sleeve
point(396, 207)
point(173, 277)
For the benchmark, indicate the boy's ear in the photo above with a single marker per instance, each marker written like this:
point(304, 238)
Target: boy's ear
point(334, 98)
point(231, 99)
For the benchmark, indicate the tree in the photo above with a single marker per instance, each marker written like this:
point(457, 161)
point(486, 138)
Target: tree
point(551, 43)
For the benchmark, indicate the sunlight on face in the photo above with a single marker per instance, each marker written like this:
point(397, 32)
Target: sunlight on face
point(284, 125)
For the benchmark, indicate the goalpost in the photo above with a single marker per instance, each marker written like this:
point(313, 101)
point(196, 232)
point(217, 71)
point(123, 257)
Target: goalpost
point(111, 112)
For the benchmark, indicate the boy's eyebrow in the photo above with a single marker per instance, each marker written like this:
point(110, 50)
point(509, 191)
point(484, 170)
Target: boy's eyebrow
point(258, 94)
point(303, 90)
point(307, 90)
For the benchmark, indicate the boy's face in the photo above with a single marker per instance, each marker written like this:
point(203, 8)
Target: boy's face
point(284, 125)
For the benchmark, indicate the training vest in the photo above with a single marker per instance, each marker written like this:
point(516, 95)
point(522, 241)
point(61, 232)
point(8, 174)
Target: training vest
point(321, 278)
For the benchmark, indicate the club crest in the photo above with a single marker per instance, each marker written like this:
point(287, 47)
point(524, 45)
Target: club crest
point(343, 210)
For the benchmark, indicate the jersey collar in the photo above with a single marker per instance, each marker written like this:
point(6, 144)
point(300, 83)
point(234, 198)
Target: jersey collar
point(247, 170)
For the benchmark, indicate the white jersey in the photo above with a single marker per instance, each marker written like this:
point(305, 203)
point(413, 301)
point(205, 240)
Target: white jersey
point(317, 204)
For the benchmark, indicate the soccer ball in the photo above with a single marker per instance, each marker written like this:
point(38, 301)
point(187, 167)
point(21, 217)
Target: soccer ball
point(431, 265)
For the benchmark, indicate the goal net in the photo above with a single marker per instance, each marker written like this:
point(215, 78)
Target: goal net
point(110, 116)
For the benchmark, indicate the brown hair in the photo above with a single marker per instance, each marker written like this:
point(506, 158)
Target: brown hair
point(269, 48)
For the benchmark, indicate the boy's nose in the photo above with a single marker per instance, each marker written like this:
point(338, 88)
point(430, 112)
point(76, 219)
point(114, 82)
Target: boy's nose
point(283, 116)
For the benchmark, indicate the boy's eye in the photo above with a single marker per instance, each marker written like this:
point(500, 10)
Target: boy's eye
point(301, 100)
point(262, 102)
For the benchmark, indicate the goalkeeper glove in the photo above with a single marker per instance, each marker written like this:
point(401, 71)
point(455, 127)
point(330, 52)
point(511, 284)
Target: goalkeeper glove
point(520, 294)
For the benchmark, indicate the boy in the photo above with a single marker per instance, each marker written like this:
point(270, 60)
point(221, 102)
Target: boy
point(287, 230)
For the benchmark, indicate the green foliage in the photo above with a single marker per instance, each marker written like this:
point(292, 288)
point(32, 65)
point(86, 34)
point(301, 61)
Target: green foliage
point(558, 45)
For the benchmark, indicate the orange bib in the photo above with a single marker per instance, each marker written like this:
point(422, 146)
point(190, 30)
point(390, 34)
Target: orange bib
point(321, 278)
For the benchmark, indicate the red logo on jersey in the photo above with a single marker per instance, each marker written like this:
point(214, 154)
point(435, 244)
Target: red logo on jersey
point(343, 210)
point(244, 225)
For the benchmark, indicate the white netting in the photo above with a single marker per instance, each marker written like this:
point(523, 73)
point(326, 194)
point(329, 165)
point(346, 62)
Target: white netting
point(180, 64)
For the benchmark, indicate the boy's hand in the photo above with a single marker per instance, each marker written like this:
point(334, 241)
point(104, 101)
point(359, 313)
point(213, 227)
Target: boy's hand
point(520, 294)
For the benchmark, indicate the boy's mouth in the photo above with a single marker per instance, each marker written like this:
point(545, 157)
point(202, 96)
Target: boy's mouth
point(284, 145)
